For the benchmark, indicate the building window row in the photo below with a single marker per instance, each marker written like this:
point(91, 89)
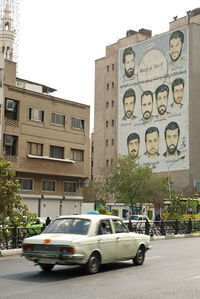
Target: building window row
point(107, 123)
point(107, 104)
point(108, 85)
point(47, 185)
point(55, 151)
point(112, 142)
point(108, 67)
point(59, 119)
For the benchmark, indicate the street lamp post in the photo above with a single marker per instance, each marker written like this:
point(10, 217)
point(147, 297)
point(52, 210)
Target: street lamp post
point(169, 183)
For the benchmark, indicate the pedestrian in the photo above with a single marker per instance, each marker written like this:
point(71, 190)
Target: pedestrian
point(48, 221)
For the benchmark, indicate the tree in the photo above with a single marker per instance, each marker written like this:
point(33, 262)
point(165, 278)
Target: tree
point(12, 211)
point(93, 192)
point(129, 182)
point(177, 208)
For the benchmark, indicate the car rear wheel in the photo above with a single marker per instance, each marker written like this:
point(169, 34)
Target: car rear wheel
point(46, 267)
point(140, 256)
point(93, 264)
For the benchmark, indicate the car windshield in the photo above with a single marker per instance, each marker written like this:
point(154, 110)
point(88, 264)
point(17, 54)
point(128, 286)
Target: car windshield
point(68, 226)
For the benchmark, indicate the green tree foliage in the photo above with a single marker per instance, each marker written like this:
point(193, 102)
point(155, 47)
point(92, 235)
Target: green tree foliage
point(177, 208)
point(12, 211)
point(129, 182)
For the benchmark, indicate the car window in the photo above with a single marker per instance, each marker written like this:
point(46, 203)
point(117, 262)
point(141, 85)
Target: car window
point(104, 227)
point(69, 226)
point(119, 226)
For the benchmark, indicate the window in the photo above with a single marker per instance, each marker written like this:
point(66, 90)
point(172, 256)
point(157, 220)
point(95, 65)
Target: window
point(106, 142)
point(119, 226)
point(107, 68)
point(56, 152)
point(77, 155)
point(107, 86)
point(70, 187)
point(113, 103)
point(106, 123)
point(113, 84)
point(106, 162)
point(111, 162)
point(78, 123)
point(113, 122)
point(104, 228)
point(107, 104)
point(113, 67)
point(26, 184)
point(36, 114)
point(58, 119)
point(35, 148)
point(49, 186)
point(10, 145)
point(113, 141)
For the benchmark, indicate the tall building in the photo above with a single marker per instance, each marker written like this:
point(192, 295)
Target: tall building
point(45, 138)
point(147, 103)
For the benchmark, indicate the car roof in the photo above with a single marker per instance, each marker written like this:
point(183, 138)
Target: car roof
point(96, 217)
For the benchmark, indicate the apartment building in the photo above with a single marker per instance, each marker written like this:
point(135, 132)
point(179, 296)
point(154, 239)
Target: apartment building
point(146, 92)
point(45, 138)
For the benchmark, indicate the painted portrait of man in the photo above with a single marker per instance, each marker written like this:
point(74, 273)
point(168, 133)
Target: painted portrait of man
point(152, 142)
point(176, 43)
point(129, 63)
point(129, 99)
point(172, 134)
point(162, 95)
point(178, 93)
point(133, 144)
point(147, 105)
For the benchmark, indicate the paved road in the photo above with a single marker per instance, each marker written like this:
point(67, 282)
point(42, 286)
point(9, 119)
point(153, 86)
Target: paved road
point(171, 270)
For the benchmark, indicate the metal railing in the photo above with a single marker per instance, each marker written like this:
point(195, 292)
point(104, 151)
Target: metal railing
point(12, 237)
point(165, 227)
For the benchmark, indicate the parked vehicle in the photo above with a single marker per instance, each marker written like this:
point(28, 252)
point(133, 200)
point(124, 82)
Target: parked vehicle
point(89, 240)
point(138, 221)
point(36, 227)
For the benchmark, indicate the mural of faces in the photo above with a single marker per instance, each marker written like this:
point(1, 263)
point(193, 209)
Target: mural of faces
point(129, 103)
point(147, 104)
point(133, 143)
point(129, 62)
point(162, 93)
point(152, 142)
point(176, 45)
point(178, 91)
point(172, 133)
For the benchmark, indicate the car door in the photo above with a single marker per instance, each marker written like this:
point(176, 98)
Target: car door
point(106, 241)
point(124, 240)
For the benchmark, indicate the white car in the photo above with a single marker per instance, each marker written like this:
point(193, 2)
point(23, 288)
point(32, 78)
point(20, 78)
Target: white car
point(89, 240)
point(138, 221)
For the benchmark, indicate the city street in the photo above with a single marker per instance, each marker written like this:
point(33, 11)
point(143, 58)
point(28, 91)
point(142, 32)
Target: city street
point(171, 270)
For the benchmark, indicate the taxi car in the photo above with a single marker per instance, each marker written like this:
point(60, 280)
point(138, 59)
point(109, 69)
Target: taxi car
point(89, 240)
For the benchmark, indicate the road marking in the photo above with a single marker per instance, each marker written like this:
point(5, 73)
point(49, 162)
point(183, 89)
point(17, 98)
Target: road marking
point(154, 257)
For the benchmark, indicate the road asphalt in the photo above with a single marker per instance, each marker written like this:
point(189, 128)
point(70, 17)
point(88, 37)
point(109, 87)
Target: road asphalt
point(9, 252)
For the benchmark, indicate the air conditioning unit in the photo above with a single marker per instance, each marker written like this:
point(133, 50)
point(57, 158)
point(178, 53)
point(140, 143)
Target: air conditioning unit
point(10, 105)
point(8, 140)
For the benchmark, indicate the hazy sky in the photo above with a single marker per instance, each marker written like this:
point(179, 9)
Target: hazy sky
point(59, 41)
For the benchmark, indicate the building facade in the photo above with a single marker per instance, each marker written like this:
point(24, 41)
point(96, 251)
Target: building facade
point(47, 141)
point(146, 101)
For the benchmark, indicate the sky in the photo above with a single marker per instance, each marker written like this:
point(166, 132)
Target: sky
point(59, 41)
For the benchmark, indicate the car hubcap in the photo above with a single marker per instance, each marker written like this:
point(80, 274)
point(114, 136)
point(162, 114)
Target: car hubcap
point(93, 264)
point(140, 255)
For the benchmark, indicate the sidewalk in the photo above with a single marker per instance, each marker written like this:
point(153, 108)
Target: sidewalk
point(10, 252)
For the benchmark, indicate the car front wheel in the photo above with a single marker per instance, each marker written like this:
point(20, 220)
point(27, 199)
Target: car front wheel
point(140, 256)
point(46, 267)
point(93, 264)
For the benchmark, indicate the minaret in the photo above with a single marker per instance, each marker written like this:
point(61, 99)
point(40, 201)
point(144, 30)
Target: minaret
point(7, 34)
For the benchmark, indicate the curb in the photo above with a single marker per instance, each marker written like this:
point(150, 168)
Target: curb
point(10, 252)
point(175, 236)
